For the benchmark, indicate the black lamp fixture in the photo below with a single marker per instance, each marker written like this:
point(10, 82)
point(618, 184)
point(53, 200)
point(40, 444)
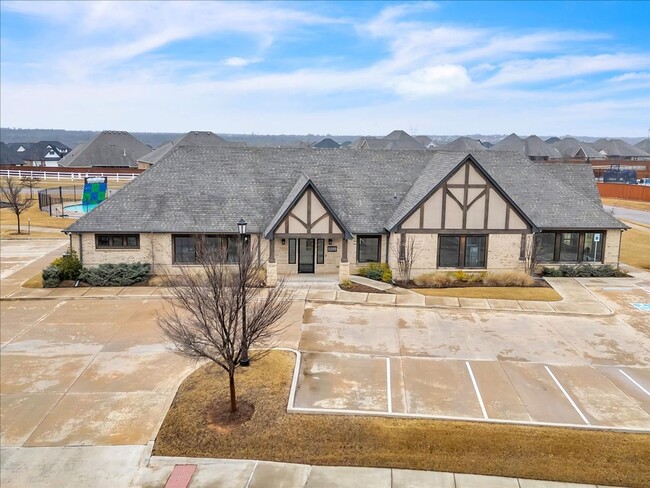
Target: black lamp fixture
point(329, 242)
point(283, 241)
point(242, 226)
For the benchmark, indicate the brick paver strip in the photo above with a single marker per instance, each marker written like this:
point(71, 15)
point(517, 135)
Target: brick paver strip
point(181, 476)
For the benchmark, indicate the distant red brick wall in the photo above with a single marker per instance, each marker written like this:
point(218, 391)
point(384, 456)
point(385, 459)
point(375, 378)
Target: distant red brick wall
point(626, 192)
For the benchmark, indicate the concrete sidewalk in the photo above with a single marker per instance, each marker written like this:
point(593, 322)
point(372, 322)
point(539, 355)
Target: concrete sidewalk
point(122, 466)
point(576, 298)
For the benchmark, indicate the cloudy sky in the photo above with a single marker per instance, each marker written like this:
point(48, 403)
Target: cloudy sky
point(543, 68)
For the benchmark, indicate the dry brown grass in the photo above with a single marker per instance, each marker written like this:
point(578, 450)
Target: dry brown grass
point(35, 281)
point(508, 278)
point(635, 247)
point(463, 447)
point(38, 219)
point(497, 293)
point(633, 204)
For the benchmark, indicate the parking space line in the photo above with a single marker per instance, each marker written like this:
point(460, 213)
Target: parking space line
point(635, 382)
point(478, 393)
point(389, 394)
point(568, 397)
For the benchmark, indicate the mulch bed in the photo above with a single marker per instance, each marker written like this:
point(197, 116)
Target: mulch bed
point(359, 288)
point(539, 283)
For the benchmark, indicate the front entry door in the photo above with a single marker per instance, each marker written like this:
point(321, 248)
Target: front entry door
point(305, 255)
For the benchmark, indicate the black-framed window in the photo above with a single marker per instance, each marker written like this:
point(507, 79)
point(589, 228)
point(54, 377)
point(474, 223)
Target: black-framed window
point(292, 251)
point(320, 251)
point(368, 249)
point(187, 248)
point(571, 247)
point(117, 241)
point(462, 251)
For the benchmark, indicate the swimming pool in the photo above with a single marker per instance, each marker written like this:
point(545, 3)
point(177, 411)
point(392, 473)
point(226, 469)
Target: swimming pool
point(81, 207)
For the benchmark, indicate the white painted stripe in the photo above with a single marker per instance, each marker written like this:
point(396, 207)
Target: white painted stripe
point(568, 397)
point(633, 381)
point(478, 393)
point(252, 473)
point(389, 393)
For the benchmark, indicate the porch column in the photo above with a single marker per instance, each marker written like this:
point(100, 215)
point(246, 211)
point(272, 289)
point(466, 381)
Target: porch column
point(344, 265)
point(271, 266)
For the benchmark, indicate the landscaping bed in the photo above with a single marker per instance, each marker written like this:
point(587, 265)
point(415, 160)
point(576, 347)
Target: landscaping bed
point(271, 434)
point(359, 288)
point(537, 293)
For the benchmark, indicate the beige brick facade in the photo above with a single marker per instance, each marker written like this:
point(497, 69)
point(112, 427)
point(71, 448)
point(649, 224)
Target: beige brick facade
point(503, 252)
point(612, 247)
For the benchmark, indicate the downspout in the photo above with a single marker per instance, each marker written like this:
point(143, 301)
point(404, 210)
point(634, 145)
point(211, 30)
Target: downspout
point(620, 241)
point(81, 249)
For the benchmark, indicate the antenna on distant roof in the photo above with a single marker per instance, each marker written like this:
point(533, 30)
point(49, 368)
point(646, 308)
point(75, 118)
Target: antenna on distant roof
point(124, 152)
point(395, 195)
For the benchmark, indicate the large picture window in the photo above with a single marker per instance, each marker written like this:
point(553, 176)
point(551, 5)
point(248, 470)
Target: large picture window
point(117, 241)
point(462, 251)
point(571, 247)
point(188, 248)
point(368, 249)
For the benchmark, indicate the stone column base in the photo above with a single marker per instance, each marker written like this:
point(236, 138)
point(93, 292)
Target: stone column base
point(271, 274)
point(344, 272)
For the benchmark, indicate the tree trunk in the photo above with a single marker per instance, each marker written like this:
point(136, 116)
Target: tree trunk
point(233, 396)
point(18, 217)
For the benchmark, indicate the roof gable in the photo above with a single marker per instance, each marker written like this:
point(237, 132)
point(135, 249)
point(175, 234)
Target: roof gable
point(309, 215)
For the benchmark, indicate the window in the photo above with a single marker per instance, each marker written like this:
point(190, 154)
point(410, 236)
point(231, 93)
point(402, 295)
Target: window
point(117, 241)
point(184, 249)
point(592, 249)
point(462, 251)
point(368, 249)
point(522, 248)
point(188, 248)
point(320, 251)
point(571, 247)
point(292, 251)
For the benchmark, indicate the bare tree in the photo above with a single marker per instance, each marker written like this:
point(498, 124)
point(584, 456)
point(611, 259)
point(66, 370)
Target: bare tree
point(12, 194)
point(220, 310)
point(531, 252)
point(31, 183)
point(406, 253)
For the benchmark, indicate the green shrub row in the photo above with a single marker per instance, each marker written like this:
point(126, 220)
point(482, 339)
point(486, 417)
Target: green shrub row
point(583, 271)
point(122, 274)
point(376, 271)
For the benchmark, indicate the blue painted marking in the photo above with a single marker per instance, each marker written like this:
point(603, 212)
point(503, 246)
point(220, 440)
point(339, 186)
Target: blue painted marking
point(644, 307)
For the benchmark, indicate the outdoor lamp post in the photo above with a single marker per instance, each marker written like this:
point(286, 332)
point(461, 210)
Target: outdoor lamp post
point(241, 225)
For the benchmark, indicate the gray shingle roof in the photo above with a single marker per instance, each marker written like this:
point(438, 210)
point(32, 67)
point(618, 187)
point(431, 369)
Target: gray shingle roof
point(192, 138)
point(107, 149)
point(536, 148)
point(644, 145)
point(511, 143)
point(326, 143)
point(578, 176)
point(9, 157)
point(572, 148)
point(463, 144)
point(200, 189)
point(618, 148)
point(38, 150)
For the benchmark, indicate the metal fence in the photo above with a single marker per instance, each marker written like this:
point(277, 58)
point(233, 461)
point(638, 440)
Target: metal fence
point(64, 175)
point(53, 200)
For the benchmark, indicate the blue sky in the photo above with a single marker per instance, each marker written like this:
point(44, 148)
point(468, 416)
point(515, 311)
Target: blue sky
point(547, 68)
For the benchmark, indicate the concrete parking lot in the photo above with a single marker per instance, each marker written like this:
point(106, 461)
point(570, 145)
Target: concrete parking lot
point(578, 371)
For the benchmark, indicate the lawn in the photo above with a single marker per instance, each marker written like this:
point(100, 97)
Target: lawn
point(38, 219)
point(633, 204)
point(635, 247)
point(574, 455)
point(496, 292)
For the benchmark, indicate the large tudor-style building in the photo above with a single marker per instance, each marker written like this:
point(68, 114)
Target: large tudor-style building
point(326, 211)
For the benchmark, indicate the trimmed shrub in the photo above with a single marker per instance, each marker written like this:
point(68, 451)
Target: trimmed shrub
point(51, 277)
point(69, 265)
point(346, 284)
point(508, 278)
point(376, 271)
point(122, 274)
point(584, 271)
point(436, 279)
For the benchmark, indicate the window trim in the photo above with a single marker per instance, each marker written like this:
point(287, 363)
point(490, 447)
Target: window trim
point(124, 236)
point(224, 238)
point(462, 251)
point(371, 236)
point(581, 244)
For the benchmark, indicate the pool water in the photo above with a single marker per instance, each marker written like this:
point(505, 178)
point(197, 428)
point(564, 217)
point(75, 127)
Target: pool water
point(81, 207)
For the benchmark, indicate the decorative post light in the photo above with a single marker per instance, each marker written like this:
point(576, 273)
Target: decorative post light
point(241, 225)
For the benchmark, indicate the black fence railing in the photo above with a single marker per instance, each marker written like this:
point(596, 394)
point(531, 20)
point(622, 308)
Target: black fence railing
point(53, 200)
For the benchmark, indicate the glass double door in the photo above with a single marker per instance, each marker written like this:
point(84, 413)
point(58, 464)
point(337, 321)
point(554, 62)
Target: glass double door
point(306, 251)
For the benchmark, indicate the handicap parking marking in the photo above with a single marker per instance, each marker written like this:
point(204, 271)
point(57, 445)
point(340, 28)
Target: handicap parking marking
point(644, 307)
